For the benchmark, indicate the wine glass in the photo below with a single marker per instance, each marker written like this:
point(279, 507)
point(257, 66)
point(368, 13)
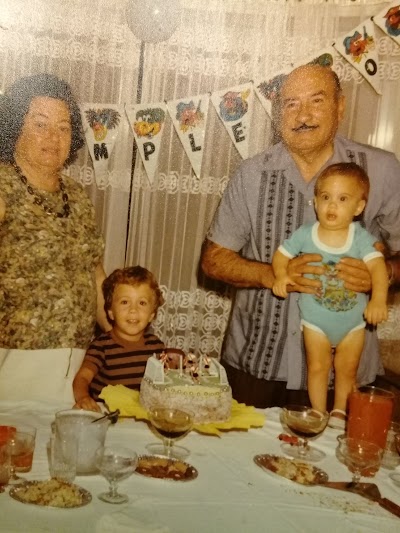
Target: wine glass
point(304, 422)
point(395, 476)
point(397, 442)
point(361, 457)
point(21, 446)
point(170, 424)
point(115, 464)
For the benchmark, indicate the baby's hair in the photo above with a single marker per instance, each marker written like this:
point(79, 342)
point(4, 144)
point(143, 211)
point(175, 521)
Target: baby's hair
point(347, 170)
point(133, 276)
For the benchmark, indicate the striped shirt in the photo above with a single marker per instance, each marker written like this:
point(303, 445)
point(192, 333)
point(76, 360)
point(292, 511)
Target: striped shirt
point(119, 362)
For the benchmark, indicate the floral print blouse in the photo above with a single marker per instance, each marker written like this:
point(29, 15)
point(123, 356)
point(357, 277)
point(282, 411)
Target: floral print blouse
point(47, 268)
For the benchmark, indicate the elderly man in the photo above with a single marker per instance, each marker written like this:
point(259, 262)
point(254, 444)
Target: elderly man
point(265, 201)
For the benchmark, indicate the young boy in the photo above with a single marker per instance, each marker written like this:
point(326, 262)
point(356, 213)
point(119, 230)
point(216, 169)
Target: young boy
point(131, 299)
point(334, 317)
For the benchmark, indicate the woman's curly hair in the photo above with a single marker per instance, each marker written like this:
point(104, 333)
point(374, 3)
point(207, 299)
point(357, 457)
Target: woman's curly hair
point(15, 104)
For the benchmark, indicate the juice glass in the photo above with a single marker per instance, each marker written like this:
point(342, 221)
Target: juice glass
point(5, 463)
point(6, 432)
point(24, 447)
point(370, 416)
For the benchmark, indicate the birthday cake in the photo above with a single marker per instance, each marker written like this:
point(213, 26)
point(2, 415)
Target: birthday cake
point(198, 384)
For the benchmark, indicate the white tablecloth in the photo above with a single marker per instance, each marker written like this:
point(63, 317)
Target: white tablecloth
point(230, 494)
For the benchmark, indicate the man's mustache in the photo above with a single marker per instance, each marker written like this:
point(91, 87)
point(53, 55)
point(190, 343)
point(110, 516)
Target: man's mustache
point(304, 127)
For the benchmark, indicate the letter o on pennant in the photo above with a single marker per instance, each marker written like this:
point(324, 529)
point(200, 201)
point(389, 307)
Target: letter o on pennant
point(371, 67)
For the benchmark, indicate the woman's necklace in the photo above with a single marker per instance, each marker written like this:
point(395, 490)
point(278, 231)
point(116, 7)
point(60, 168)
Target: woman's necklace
point(39, 200)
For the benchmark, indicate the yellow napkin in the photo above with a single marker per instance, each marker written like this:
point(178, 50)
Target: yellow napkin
point(126, 400)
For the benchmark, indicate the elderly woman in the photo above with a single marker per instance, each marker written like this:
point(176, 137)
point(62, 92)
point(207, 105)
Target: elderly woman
point(50, 247)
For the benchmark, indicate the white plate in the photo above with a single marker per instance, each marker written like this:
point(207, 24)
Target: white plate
point(17, 494)
point(266, 462)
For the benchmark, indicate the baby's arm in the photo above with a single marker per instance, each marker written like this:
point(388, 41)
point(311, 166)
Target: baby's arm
point(282, 279)
point(376, 310)
point(81, 389)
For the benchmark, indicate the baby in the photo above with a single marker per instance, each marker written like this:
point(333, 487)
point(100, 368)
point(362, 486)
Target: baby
point(131, 299)
point(334, 317)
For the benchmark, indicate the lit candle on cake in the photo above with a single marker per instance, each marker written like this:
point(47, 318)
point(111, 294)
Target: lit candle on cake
point(180, 366)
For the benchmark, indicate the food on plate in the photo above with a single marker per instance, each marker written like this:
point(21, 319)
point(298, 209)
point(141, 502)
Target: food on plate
point(291, 439)
point(163, 468)
point(52, 492)
point(179, 381)
point(297, 471)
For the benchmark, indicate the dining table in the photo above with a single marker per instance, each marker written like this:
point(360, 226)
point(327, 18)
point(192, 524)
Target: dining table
point(230, 494)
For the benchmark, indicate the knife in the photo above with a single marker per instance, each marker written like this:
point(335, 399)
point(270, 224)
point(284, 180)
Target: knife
point(367, 490)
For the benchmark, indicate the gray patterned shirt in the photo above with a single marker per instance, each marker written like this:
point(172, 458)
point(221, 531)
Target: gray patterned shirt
point(264, 202)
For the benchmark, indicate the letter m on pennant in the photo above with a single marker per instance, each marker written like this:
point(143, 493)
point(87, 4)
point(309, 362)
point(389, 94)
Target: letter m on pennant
point(100, 151)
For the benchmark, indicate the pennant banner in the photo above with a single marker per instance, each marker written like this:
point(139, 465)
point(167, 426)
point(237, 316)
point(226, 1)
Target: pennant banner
point(267, 90)
point(147, 124)
point(101, 126)
point(189, 117)
point(359, 48)
point(234, 108)
point(389, 21)
point(324, 57)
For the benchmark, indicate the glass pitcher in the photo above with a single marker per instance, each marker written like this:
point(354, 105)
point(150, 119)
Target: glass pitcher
point(75, 425)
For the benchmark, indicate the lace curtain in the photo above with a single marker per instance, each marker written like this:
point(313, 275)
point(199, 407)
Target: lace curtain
point(219, 44)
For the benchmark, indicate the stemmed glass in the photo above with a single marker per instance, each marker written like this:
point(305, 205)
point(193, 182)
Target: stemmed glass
point(397, 442)
point(304, 422)
point(115, 464)
point(361, 457)
point(395, 476)
point(170, 424)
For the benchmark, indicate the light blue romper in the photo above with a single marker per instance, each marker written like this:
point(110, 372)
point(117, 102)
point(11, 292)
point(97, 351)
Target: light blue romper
point(336, 311)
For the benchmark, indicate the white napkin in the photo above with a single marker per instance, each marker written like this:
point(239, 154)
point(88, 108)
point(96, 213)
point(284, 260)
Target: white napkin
point(122, 522)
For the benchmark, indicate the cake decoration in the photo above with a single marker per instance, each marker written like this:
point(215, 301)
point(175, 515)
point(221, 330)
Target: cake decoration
point(178, 380)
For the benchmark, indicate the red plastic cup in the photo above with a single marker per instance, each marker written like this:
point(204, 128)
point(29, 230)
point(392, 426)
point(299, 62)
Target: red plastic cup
point(370, 415)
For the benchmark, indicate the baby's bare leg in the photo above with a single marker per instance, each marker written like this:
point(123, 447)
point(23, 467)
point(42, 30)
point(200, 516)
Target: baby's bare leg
point(319, 362)
point(347, 357)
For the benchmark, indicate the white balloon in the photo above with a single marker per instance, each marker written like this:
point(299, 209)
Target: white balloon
point(153, 21)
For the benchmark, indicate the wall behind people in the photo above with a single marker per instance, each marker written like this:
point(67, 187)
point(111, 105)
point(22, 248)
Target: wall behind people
point(219, 43)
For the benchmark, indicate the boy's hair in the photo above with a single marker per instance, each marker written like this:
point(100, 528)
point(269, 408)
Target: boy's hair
point(348, 170)
point(134, 276)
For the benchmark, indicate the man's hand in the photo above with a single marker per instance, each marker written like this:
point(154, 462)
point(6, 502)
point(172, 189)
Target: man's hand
point(354, 273)
point(299, 266)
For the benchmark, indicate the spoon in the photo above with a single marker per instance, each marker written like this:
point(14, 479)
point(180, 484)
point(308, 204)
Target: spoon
point(113, 417)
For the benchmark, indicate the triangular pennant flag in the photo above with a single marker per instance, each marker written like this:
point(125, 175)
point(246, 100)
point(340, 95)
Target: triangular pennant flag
point(234, 107)
point(101, 124)
point(267, 90)
point(359, 48)
point(147, 122)
point(324, 57)
point(389, 20)
point(189, 117)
